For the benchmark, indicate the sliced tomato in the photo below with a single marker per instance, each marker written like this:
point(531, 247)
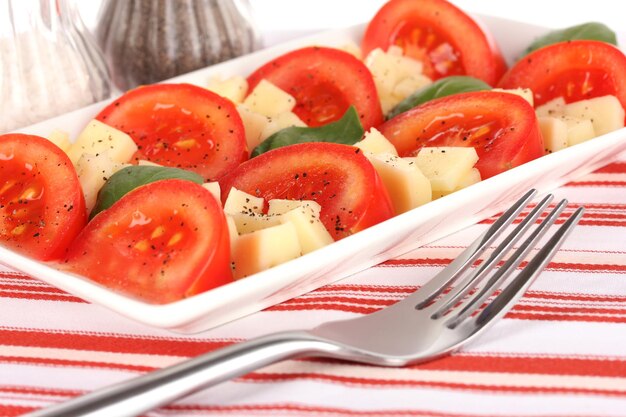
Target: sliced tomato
point(440, 35)
point(161, 242)
point(338, 177)
point(182, 126)
point(42, 207)
point(501, 126)
point(574, 70)
point(324, 82)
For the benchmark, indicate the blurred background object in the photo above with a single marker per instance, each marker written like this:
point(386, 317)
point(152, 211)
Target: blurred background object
point(49, 63)
point(146, 41)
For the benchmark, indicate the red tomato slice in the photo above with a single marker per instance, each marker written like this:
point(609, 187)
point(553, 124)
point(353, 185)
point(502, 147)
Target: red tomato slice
point(574, 70)
point(501, 126)
point(182, 126)
point(41, 201)
point(338, 177)
point(161, 242)
point(440, 35)
point(324, 82)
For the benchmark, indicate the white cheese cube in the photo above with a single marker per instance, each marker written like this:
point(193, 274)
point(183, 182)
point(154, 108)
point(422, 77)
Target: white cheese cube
point(265, 248)
point(525, 93)
point(445, 167)
point(253, 124)
point(97, 138)
point(251, 222)
point(232, 232)
point(409, 85)
point(471, 178)
point(408, 187)
point(353, 49)
point(553, 108)
point(214, 188)
point(605, 113)
point(242, 202)
point(374, 142)
point(269, 100)
point(279, 122)
point(312, 233)
point(554, 132)
point(578, 130)
point(281, 206)
point(93, 171)
point(233, 88)
point(61, 139)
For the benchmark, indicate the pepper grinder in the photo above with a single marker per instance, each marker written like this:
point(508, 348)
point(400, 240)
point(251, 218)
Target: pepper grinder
point(146, 41)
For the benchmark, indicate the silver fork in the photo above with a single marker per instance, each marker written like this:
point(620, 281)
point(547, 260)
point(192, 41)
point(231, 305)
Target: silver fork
point(433, 321)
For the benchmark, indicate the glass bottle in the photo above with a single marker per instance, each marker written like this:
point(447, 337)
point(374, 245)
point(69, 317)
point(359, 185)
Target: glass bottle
point(146, 41)
point(49, 63)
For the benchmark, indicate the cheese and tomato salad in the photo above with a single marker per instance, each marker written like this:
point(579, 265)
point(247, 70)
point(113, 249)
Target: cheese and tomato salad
point(174, 189)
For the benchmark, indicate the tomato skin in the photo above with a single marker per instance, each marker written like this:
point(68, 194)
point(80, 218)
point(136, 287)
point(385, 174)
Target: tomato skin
point(324, 82)
point(445, 38)
point(575, 70)
point(338, 177)
point(42, 207)
point(164, 241)
point(501, 126)
point(182, 126)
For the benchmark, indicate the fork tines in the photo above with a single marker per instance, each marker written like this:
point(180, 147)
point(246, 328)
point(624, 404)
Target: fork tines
point(463, 300)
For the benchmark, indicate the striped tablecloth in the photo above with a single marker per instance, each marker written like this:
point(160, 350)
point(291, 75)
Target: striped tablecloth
point(560, 352)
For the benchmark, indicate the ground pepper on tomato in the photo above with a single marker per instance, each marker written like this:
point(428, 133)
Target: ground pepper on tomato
point(325, 82)
point(42, 207)
point(502, 127)
point(338, 177)
point(442, 36)
point(181, 126)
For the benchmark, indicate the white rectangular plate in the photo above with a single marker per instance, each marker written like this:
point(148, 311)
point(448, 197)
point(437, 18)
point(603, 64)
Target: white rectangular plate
point(352, 254)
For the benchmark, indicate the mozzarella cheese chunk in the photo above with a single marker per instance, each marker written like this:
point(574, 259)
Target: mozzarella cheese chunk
point(446, 167)
point(269, 100)
point(254, 124)
point(61, 139)
point(525, 93)
point(265, 248)
point(374, 142)
point(251, 222)
point(353, 49)
point(281, 206)
point(605, 113)
point(93, 171)
point(553, 108)
point(233, 88)
point(279, 122)
point(214, 188)
point(578, 130)
point(98, 138)
point(408, 187)
point(396, 76)
point(242, 202)
point(312, 233)
point(554, 132)
point(471, 178)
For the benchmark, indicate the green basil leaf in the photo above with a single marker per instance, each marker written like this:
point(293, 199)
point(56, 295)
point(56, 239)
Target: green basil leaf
point(347, 130)
point(587, 31)
point(440, 88)
point(129, 178)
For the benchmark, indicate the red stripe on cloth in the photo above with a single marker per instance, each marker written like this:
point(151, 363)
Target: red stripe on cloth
point(40, 296)
point(74, 363)
point(14, 389)
point(7, 410)
point(358, 381)
point(34, 288)
point(108, 343)
point(575, 297)
point(564, 317)
point(570, 310)
point(555, 266)
point(614, 168)
point(596, 184)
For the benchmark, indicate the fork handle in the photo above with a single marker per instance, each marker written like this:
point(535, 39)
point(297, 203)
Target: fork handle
point(149, 391)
